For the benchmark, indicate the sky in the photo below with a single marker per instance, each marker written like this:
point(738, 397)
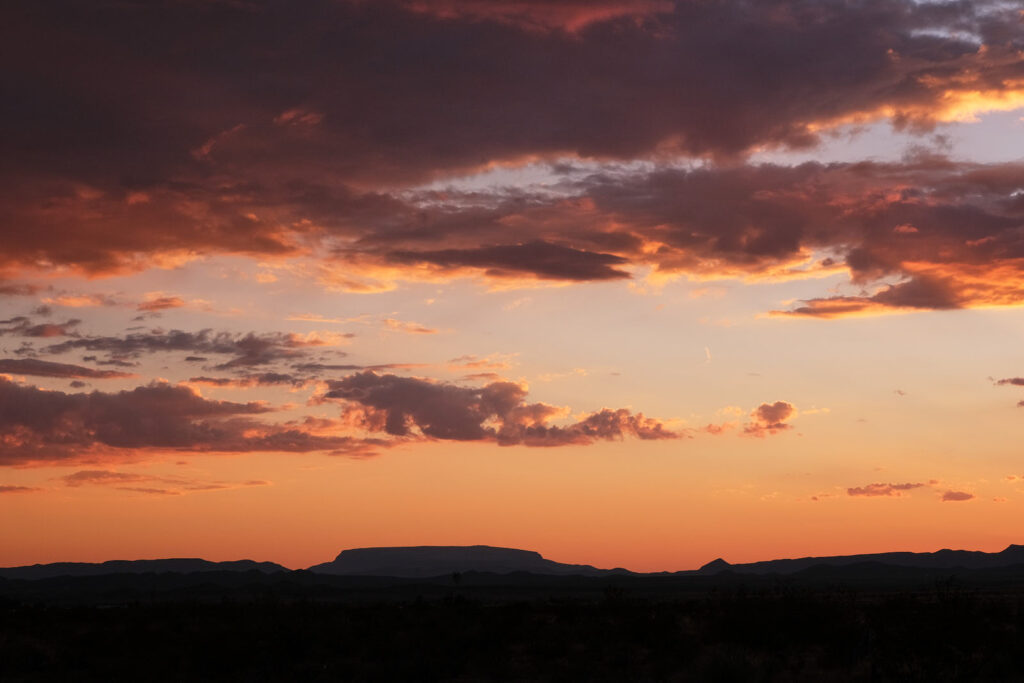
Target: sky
point(631, 284)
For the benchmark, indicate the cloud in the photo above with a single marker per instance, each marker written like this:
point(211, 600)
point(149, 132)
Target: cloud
point(769, 418)
point(890, 490)
point(764, 222)
point(160, 303)
point(1011, 381)
point(18, 489)
point(38, 425)
point(180, 160)
point(67, 300)
point(173, 486)
point(407, 327)
point(247, 350)
point(717, 429)
point(494, 361)
point(542, 16)
point(391, 324)
point(956, 496)
point(539, 259)
point(22, 326)
point(262, 379)
point(345, 367)
point(101, 477)
point(19, 289)
point(412, 407)
point(42, 368)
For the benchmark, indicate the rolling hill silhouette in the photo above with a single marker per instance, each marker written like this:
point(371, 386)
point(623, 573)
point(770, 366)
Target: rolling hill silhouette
point(942, 559)
point(418, 562)
point(175, 565)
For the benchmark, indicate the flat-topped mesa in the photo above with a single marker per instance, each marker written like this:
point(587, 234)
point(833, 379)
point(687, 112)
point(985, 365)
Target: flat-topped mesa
point(434, 560)
point(476, 552)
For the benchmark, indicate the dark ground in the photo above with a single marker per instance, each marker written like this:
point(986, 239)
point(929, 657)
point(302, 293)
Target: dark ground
point(298, 628)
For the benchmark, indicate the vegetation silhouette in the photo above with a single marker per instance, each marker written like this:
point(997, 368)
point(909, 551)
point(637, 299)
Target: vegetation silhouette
point(244, 626)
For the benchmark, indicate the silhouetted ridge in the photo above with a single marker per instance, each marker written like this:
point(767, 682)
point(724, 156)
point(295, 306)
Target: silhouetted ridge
point(177, 565)
point(940, 559)
point(426, 561)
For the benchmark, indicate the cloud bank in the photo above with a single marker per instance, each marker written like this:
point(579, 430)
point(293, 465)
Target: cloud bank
point(406, 406)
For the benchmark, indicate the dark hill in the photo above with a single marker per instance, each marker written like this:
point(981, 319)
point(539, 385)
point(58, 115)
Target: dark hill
point(942, 559)
point(176, 565)
point(427, 561)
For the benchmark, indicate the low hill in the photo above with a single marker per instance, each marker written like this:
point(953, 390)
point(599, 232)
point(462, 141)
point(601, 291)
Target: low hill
point(176, 565)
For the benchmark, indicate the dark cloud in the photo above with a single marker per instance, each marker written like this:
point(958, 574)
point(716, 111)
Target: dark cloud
point(540, 15)
point(257, 128)
point(42, 368)
point(923, 234)
point(604, 425)
point(248, 350)
point(890, 490)
point(37, 425)
point(412, 407)
point(769, 418)
point(113, 362)
point(539, 259)
point(22, 326)
point(924, 293)
point(956, 496)
point(262, 379)
point(1012, 381)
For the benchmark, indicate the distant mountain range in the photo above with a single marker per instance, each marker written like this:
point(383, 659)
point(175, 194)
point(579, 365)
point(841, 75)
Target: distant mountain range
point(176, 565)
point(438, 561)
point(942, 559)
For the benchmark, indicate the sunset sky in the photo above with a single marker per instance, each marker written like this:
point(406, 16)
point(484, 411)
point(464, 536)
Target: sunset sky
point(635, 284)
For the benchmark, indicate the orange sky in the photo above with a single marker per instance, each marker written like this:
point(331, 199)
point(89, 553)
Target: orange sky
point(627, 284)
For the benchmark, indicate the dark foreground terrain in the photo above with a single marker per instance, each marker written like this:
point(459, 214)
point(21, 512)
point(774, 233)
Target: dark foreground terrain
point(297, 627)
